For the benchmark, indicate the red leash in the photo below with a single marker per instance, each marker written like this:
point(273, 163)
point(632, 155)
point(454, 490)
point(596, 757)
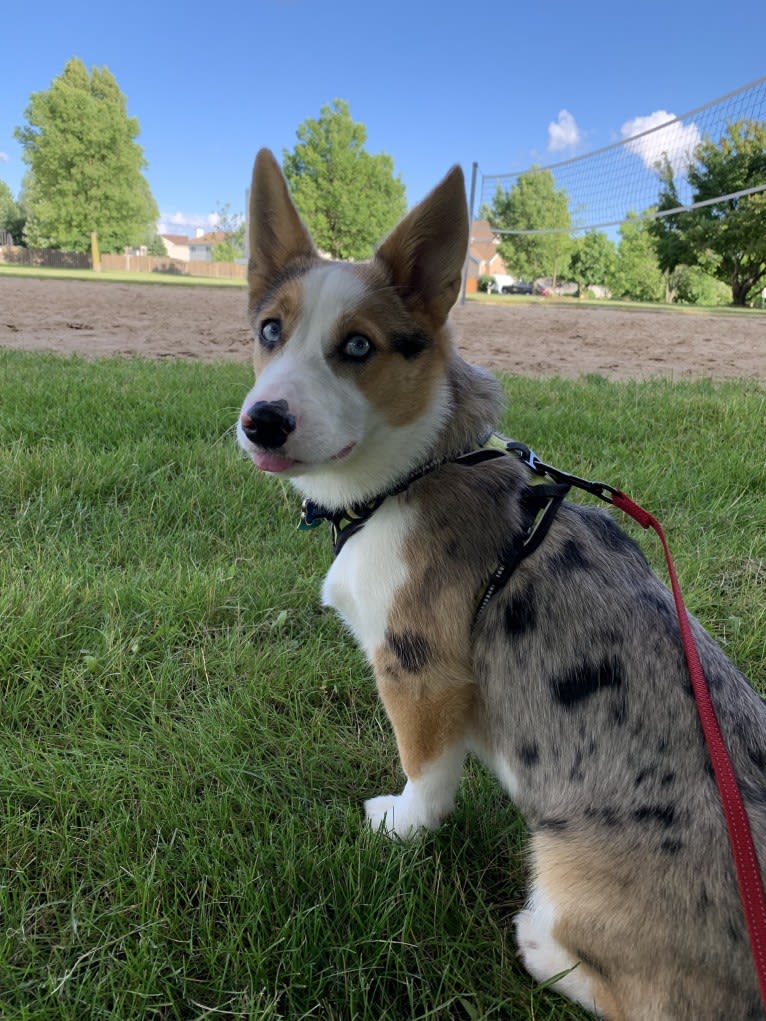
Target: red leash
point(751, 889)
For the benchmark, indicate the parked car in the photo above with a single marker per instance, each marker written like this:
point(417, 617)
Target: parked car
point(520, 287)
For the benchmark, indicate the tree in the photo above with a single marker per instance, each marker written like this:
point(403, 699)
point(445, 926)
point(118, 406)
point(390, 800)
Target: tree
point(726, 239)
point(637, 274)
point(11, 214)
point(693, 286)
point(85, 167)
point(348, 198)
point(233, 227)
point(156, 247)
point(593, 260)
point(533, 203)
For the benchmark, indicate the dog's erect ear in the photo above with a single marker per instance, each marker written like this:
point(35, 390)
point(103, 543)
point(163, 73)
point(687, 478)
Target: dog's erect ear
point(425, 253)
point(276, 233)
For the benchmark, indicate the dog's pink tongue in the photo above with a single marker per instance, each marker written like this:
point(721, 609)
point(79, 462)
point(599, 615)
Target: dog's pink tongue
point(268, 462)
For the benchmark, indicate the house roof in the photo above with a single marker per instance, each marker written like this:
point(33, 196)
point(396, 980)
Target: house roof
point(483, 247)
point(176, 239)
point(213, 237)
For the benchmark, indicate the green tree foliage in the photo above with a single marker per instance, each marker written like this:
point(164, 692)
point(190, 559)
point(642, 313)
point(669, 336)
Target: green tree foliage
point(11, 214)
point(533, 203)
point(726, 239)
point(691, 285)
point(156, 247)
point(348, 198)
point(593, 260)
point(637, 273)
point(233, 227)
point(85, 167)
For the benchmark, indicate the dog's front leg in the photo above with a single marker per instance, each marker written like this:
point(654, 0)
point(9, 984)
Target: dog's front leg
point(430, 722)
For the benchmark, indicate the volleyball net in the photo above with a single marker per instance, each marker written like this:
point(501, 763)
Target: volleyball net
point(604, 186)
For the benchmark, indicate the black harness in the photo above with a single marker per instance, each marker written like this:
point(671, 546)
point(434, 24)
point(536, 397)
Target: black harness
point(541, 501)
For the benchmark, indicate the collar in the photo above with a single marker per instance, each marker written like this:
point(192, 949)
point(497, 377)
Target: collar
point(353, 517)
point(349, 520)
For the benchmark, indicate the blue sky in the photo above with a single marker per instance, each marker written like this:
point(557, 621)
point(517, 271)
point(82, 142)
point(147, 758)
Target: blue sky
point(434, 82)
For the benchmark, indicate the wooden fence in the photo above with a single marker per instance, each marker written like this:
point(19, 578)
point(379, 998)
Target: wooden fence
point(17, 256)
point(125, 263)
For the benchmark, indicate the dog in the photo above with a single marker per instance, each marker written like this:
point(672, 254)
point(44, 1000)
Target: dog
point(568, 681)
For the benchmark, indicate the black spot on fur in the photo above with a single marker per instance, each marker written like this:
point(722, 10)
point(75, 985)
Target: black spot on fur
point(670, 846)
point(610, 534)
point(411, 649)
point(758, 757)
point(581, 682)
point(529, 754)
point(555, 824)
point(667, 779)
point(644, 774)
point(569, 558)
point(734, 934)
point(521, 614)
point(410, 345)
point(609, 817)
point(664, 815)
point(660, 606)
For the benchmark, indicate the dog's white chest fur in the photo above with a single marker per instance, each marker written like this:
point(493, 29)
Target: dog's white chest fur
point(362, 583)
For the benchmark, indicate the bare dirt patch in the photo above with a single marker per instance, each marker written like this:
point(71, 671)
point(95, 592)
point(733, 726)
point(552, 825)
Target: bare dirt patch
point(537, 339)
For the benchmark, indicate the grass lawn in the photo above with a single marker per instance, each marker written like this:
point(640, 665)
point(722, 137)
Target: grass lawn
point(186, 736)
point(623, 305)
point(118, 276)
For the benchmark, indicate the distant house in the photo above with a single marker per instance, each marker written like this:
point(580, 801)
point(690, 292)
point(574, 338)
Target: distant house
point(483, 259)
point(201, 246)
point(176, 246)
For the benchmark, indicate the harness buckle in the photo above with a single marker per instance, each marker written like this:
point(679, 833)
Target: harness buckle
point(527, 456)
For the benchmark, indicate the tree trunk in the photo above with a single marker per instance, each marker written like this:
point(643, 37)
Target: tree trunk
point(739, 291)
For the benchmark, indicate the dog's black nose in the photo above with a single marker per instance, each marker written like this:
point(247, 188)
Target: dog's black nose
point(268, 423)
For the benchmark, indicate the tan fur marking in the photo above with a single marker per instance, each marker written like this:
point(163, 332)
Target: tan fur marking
point(596, 903)
point(285, 305)
point(430, 703)
point(399, 388)
point(426, 725)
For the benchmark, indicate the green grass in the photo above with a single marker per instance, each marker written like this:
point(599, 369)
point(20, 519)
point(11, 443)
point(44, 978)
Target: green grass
point(624, 305)
point(118, 276)
point(186, 736)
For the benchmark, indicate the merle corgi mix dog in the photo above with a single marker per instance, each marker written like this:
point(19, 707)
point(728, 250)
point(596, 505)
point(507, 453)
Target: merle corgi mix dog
point(569, 683)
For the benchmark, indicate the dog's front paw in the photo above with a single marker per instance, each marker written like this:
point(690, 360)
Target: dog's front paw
point(392, 813)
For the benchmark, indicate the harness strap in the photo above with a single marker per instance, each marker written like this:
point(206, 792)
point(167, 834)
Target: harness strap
point(544, 499)
point(347, 521)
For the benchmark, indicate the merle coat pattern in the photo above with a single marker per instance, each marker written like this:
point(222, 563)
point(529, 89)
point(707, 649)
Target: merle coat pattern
point(570, 685)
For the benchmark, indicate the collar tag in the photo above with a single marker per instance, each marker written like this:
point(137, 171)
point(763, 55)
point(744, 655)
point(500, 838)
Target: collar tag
point(309, 517)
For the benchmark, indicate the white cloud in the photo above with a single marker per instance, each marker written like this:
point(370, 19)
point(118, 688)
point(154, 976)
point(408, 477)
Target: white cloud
point(4, 157)
point(186, 223)
point(675, 140)
point(563, 133)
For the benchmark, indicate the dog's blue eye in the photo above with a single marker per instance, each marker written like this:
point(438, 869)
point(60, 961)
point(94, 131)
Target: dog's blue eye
point(271, 332)
point(356, 346)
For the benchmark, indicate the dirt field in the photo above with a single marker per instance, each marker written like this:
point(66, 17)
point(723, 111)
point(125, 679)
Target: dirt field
point(538, 339)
